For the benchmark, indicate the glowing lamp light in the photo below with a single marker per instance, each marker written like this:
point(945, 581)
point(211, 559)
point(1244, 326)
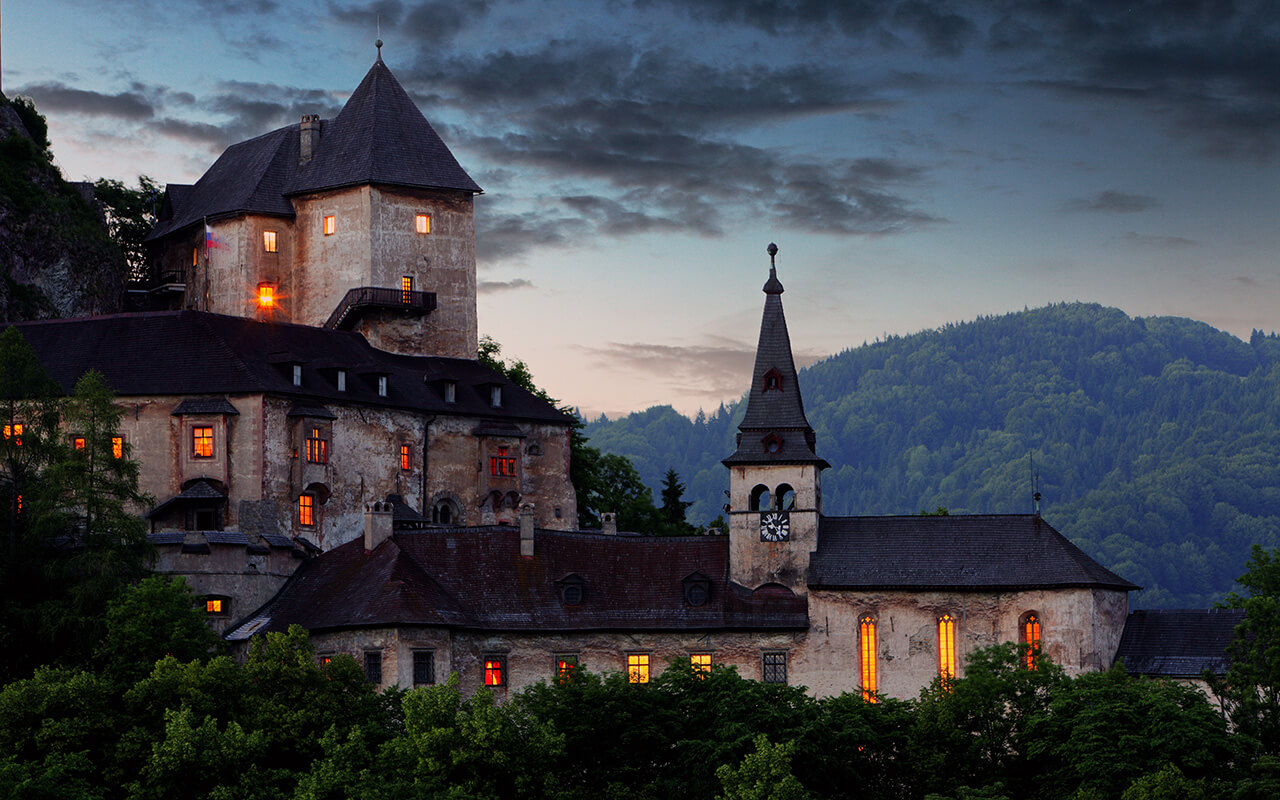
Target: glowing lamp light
point(266, 297)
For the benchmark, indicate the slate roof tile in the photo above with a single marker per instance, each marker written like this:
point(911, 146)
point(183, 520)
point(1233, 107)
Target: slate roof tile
point(1178, 643)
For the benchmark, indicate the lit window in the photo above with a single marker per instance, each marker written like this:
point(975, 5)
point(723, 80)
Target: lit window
point(15, 432)
point(774, 668)
point(424, 667)
point(202, 441)
point(330, 225)
point(373, 666)
point(269, 241)
point(406, 289)
point(1031, 638)
point(117, 446)
point(566, 665)
point(423, 223)
point(18, 504)
point(495, 671)
point(306, 509)
point(701, 663)
point(78, 443)
point(212, 606)
point(342, 380)
point(502, 465)
point(317, 448)
point(867, 658)
point(297, 374)
point(195, 256)
point(947, 646)
point(382, 385)
point(638, 668)
point(326, 660)
point(266, 295)
point(404, 456)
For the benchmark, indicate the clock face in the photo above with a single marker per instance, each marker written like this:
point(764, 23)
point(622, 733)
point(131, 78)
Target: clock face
point(775, 526)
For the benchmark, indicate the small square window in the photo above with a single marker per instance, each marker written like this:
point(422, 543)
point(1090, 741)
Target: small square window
point(373, 666)
point(266, 295)
point(306, 509)
point(404, 457)
point(325, 659)
point(638, 668)
point(202, 441)
point(15, 432)
point(342, 380)
point(495, 671)
point(268, 241)
point(78, 442)
point(216, 607)
point(422, 223)
point(566, 666)
point(330, 225)
point(775, 668)
point(701, 663)
point(424, 667)
point(382, 386)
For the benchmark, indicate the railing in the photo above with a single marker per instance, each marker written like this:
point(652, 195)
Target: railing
point(367, 297)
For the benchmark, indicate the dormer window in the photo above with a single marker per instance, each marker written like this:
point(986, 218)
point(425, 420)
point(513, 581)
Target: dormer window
point(495, 396)
point(382, 386)
point(297, 374)
point(451, 391)
point(772, 443)
point(697, 589)
point(572, 590)
point(342, 380)
point(773, 380)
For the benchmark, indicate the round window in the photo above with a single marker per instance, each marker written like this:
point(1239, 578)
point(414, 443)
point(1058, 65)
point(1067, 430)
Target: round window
point(774, 445)
point(696, 593)
point(572, 593)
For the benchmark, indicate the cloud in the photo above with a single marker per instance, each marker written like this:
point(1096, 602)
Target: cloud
point(433, 22)
point(1158, 242)
point(503, 236)
point(1114, 201)
point(57, 97)
point(489, 287)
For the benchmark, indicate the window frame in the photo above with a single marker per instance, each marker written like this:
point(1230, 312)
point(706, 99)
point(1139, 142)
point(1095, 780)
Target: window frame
point(701, 662)
point(330, 225)
point(868, 665)
point(270, 242)
point(202, 442)
point(382, 386)
point(117, 447)
point(217, 605)
point(406, 460)
point(307, 510)
point(947, 654)
point(1031, 633)
point(773, 666)
point(317, 447)
point(422, 223)
point(373, 666)
point(495, 670)
point(78, 443)
point(406, 289)
point(342, 380)
point(566, 664)
point(424, 661)
point(503, 465)
point(639, 667)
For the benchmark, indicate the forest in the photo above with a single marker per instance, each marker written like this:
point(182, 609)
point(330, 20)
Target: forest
point(1153, 441)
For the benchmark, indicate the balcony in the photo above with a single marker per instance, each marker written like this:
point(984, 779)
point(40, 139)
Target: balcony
point(371, 298)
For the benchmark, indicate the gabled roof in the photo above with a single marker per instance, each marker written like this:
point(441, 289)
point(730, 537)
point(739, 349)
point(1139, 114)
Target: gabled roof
point(203, 354)
point(774, 429)
point(1178, 644)
point(476, 578)
point(971, 552)
point(380, 136)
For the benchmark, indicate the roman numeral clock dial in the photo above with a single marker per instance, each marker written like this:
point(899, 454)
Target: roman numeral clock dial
point(775, 526)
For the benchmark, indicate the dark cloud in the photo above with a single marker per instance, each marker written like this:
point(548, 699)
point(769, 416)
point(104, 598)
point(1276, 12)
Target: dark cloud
point(1159, 242)
point(432, 22)
point(247, 110)
point(489, 287)
point(508, 235)
point(1111, 200)
point(56, 97)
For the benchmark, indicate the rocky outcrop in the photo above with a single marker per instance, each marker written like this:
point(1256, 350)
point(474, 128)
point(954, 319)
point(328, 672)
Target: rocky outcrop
point(56, 258)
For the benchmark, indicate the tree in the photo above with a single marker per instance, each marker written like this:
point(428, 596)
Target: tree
point(763, 775)
point(674, 506)
point(154, 618)
point(1251, 687)
point(131, 214)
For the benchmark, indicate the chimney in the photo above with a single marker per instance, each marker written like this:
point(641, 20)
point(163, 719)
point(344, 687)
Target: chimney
point(377, 525)
point(526, 530)
point(609, 523)
point(310, 137)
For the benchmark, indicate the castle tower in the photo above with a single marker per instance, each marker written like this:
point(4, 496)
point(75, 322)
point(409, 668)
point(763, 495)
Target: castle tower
point(775, 488)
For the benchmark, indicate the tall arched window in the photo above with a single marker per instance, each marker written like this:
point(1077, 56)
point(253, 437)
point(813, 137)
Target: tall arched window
point(947, 646)
point(785, 497)
point(760, 498)
point(867, 658)
point(1031, 637)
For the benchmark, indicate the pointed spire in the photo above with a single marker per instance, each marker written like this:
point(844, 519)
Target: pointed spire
point(774, 428)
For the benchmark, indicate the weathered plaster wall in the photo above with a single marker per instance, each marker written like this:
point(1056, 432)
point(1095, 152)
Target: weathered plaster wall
point(325, 267)
point(754, 562)
point(249, 577)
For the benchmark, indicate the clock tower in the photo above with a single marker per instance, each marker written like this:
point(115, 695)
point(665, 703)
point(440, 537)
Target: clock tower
point(775, 489)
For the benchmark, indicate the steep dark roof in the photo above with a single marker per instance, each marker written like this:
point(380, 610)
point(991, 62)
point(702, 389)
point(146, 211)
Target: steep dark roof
point(380, 136)
point(1178, 644)
point(995, 551)
point(774, 415)
point(475, 578)
point(198, 353)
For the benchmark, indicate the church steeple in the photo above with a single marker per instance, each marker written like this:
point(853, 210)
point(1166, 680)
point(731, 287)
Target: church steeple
point(774, 429)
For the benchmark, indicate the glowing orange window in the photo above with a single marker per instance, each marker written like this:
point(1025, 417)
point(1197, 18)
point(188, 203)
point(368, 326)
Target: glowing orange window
point(422, 223)
point(117, 446)
point(306, 509)
point(317, 448)
point(638, 668)
point(404, 456)
point(701, 663)
point(78, 443)
point(502, 465)
point(494, 672)
point(330, 225)
point(212, 606)
point(195, 256)
point(867, 658)
point(406, 289)
point(1031, 638)
point(565, 667)
point(269, 242)
point(202, 441)
point(266, 295)
point(947, 646)
point(15, 432)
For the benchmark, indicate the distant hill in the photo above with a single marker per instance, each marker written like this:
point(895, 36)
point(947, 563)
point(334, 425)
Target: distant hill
point(1157, 440)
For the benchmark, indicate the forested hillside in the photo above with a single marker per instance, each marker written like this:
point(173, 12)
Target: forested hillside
point(1156, 440)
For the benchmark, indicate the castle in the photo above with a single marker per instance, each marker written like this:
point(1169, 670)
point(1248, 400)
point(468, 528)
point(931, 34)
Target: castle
point(325, 450)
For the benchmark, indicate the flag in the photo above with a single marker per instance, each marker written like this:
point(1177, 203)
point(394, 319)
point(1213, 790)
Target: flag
point(210, 238)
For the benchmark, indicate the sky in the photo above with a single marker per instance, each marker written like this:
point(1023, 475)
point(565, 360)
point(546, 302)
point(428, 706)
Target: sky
point(918, 162)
